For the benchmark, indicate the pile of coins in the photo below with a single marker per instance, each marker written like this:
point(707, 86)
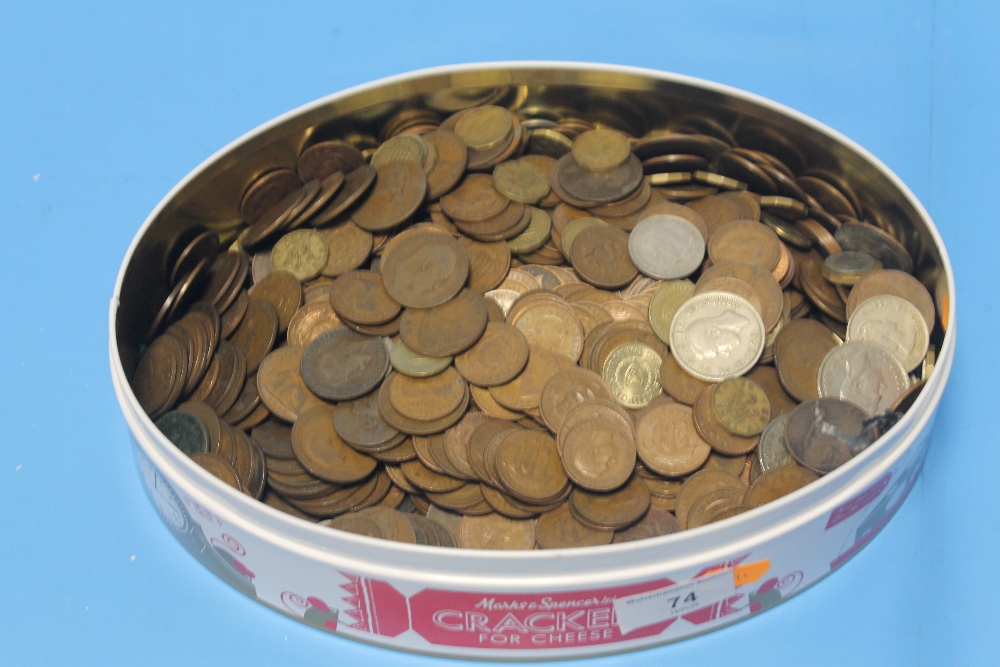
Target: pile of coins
point(515, 329)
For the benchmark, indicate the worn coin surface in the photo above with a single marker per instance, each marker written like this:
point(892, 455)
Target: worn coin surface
point(824, 433)
point(559, 529)
point(341, 364)
point(772, 452)
point(496, 358)
point(894, 323)
point(667, 441)
point(717, 335)
point(741, 406)
point(864, 373)
point(323, 453)
point(423, 268)
point(666, 247)
point(778, 482)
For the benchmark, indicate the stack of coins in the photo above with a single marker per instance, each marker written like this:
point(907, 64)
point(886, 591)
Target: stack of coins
point(512, 328)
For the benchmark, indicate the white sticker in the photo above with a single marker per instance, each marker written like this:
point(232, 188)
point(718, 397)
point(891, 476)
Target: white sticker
point(642, 609)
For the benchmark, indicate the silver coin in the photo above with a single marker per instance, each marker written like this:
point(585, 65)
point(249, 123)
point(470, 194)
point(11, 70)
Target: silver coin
point(771, 450)
point(666, 247)
point(261, 266)
point(893, 322)
point(717, 335)
point(865, 374)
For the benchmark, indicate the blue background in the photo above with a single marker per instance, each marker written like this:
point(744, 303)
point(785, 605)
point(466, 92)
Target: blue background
point(104, 108)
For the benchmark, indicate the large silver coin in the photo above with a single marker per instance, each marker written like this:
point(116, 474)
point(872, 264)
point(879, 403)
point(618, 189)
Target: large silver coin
point(865, 374)
point(666, 247)
point(717, 335)
point(894, 322)
point(772, 452)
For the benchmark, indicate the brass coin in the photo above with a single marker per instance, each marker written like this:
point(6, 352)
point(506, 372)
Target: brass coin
point(322, 452)
point(430, 398)
point(423, 268)
point(340, 364)
point(218, 466)
point(535, 236)
point(484, 128)
point(615, 510)
point(257, 332)
point(406, 361)
point(447, 329)
point(632, 371)
point(521, 181)
point(400, 188)
point(741, 406)
point(601, 150)
point(348, 247)
point(281, 386)
point(361, 297)
point(283, 291)
point(667, 441)
point(496, 358)
point(713, 431)
point(600, 255)
point(495, 532)
point(559, 529)
point(774, 484)
point(488, 263)
point(663, 306)
point(656, 523)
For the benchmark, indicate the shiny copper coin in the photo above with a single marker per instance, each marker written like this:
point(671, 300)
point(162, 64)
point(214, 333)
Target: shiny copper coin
point(447, 329)
point(340, 364)
point(322, 452)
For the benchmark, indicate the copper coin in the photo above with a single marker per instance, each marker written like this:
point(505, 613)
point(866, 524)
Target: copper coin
point(774, 484)
point(452, 158)
point(428, 399)
point(525, 390)
point(257, 332)
point(217, 466)
point(349, 246)
point(568, 388)
point(825, 433)
point(711, 504)
point(763, 283)
point(614, 510)
point(678, 383)
point(361, 297)
point(474, 200)
point(598, 453)
point(656, 523)
point(550, 323)
point(281, 386)
point(359, 423)
point(326, 158)
point(700, 484)
point(495, 532)
point(488, 263)
point(529, 468)
point(400, 188)
point(597, 187)
point(266, 191)
point(414, 426)
point(275, 438)
point(745, 241)
point(311, 320)
point(447, 329)
point(767, 378)
point(667, 441)
point(496, 358)
point(423, 268)
point(159, 376)
point(340, 365)
point(600, 255)
point(357, 183)
point(559, 529)
point(798, 352)
point(896, 283)
point(283, 291)
point(322, 452)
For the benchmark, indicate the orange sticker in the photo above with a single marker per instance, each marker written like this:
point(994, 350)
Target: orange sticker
point(751, 572)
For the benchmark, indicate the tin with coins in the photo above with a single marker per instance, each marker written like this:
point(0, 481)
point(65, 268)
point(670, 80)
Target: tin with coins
point(519, 351)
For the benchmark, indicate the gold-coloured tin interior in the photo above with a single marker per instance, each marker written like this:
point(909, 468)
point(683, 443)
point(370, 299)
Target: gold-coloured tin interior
point(634, 101)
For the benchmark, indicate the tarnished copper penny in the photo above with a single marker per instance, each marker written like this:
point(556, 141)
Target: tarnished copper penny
point(359, 423)
point(825, 433)
point(655, 523)
point(283, 291)
point(598, 453)
point(474, 200)
point(678, 383)
point(348, 247)
point(423, 268)
point(616, 509)
point(256, 334)
point(551, 324)
point(567, 389)
point(218, 466)
point(600, 255)
point(497, 357)
point(361, 297)
point(529, 468)
point(798, 352)
point(700, 484)
point(322, 452)
point(495, 532)
point(280, 384)
point(445, 330)
point(341, 364)
point(667, 441)
point(712, 430)
point(430, 398)
point(776, 483)
point(400, 188)
point(559, 529)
